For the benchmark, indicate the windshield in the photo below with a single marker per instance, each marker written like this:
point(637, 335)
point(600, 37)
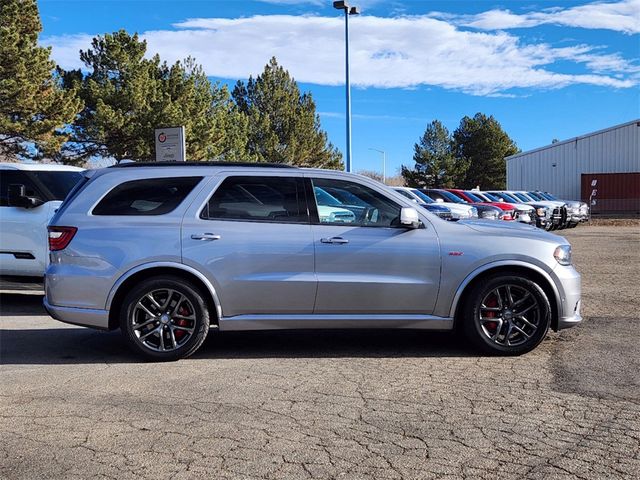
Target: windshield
point(521, 196)
point(536, 196)
point(446, 196)
point(504, 196)
point(423, 196)
point(323, 198)
point(473, 197)
point(548, 196)
point(58, 183)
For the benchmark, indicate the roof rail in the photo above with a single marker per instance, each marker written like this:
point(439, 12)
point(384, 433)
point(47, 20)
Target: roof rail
point(201, 164)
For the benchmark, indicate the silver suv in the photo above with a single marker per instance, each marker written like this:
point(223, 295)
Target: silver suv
point(167, 251)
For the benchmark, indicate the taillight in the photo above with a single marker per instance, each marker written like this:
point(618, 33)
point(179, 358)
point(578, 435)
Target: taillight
point(59, 237)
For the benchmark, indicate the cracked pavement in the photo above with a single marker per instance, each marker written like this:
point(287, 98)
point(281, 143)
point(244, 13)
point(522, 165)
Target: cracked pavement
point(337, 404)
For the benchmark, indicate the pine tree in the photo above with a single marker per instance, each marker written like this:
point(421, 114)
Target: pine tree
point(483, 144)
point(435, 165)
point(34, 109)
point(128, 96)
point(283, 124)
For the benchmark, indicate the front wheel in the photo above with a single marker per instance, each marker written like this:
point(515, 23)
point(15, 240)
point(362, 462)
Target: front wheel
point(507, 314)
point(164, 318)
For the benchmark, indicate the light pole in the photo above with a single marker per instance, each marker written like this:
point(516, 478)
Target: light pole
point(348, 10)
point(384, 163)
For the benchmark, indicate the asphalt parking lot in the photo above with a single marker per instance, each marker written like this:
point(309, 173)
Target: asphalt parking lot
point(347, 405)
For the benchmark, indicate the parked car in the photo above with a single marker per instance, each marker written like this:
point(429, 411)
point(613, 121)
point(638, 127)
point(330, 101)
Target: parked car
point(29, 196)
point(523, 213)
point(556, 213)
point(459, 209)
point(433, 207)
point(166, 251)
point(508, 211)
point(486, 211)
point(577, 212)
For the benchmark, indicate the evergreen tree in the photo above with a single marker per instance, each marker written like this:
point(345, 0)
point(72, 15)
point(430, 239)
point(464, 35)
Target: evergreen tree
point(435, 165)
point(128, 96)
point(283, 124)
point(483, 144)
point(34, 109)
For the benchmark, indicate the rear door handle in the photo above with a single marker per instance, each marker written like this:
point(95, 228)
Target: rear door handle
point(205, 236)
point(337, 240)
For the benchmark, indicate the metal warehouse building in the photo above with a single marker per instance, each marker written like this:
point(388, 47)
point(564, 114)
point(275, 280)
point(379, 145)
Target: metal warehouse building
point(603, 166)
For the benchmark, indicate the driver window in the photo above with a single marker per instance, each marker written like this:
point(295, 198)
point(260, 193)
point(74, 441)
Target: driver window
point(341, 202)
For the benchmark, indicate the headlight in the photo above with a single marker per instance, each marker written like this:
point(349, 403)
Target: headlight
point(491, 214)
point(563, 254)
point(541, 212)
point(474, 212)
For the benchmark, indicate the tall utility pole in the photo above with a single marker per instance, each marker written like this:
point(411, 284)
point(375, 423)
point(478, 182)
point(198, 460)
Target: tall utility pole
point(348, 10)
point(384, 163)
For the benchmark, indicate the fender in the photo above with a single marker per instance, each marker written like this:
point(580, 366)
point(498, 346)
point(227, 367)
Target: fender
point(505, 263)
point(179, 266)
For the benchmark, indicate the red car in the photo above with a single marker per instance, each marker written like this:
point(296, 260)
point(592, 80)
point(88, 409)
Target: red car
point(469, 197)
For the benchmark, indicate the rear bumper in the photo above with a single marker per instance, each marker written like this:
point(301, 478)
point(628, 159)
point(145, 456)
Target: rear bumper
point(84, 317)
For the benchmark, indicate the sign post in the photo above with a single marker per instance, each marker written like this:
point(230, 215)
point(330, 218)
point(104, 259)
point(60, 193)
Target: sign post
point(170, 144)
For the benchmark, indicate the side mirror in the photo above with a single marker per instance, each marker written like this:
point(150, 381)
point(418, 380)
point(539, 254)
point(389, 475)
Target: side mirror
point(409, 218)
point(17, 197)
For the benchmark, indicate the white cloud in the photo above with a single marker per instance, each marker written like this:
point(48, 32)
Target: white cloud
point(403, 52)
point(623, 16)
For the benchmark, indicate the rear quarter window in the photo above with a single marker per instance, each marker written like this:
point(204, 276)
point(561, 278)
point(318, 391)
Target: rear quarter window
point(152, 196)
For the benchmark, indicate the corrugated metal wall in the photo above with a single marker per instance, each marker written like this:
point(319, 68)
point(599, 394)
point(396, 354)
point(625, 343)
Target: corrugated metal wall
point(557, 168)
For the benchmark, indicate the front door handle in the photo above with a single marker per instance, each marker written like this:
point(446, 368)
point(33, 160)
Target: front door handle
point(337, 240)
point(205, 236)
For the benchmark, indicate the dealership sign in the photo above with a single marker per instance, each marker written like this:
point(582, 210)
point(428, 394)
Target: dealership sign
point(170, 146)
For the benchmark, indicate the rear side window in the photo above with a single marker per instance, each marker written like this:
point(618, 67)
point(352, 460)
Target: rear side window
point(11, 177)
point(58, 183)
point(258, 199)
point(152, 196)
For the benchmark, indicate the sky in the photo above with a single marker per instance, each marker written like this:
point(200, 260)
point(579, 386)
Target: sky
point(551, 69)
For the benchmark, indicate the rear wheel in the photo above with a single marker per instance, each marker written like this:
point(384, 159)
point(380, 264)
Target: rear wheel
point(164, 318)
point(507, 314)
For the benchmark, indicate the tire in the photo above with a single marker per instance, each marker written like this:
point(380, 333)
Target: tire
point(164, 318)
point(572, 225)
point(500, 336)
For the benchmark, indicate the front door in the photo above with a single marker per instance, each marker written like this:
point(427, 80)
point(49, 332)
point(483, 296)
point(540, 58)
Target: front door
point(252, 239)
point(23, 231)
point(366, 263)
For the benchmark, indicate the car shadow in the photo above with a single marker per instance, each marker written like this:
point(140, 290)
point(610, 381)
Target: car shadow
point(85, 346)
point(18, 304)
point(76, 345)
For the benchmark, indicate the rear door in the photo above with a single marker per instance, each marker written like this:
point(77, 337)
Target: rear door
point(249, 233)
point(365, 262)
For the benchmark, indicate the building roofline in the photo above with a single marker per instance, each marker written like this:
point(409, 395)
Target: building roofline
point(574, 139)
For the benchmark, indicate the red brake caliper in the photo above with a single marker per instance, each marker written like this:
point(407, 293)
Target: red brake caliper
point(491, 302)
point(181, 322)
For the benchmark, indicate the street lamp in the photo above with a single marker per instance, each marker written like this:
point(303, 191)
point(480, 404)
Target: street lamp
point(348, 10)
point(384, 163)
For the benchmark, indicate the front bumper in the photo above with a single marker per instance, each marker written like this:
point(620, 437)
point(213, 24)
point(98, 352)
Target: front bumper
point(85, 317)
point(570, 289)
